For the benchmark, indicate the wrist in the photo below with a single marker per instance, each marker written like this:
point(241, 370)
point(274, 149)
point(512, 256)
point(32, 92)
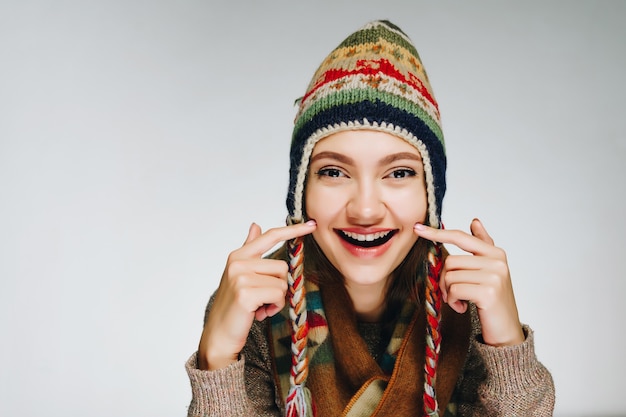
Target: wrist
point(213, 363)
point(212, 357)
point(516, 337)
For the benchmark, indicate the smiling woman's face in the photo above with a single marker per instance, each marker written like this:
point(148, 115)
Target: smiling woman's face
point(366, 191)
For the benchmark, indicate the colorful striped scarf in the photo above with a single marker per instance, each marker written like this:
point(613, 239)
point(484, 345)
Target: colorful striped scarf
point(344, 378)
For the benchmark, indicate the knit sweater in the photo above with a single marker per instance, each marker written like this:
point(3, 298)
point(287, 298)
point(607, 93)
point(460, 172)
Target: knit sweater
point(496, 381)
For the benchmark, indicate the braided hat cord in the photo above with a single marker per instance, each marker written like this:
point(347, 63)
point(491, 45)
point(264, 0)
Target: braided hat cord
point(299, 402)
point(433, 336)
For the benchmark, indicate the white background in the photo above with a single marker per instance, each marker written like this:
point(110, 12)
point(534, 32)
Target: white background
point(139, 139)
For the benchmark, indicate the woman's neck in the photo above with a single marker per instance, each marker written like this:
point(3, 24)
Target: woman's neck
point(368, 301)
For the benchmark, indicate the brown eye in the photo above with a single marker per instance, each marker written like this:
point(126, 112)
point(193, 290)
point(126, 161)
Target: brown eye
point(330, 172)
point(402, 173)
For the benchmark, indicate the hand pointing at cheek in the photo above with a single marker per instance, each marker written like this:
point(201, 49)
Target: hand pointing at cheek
point(481, 277)
point(252, 287)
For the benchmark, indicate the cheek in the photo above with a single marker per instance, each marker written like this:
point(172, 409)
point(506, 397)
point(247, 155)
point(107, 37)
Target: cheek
point(323, 202)
point(409, 206)
point(310, 203)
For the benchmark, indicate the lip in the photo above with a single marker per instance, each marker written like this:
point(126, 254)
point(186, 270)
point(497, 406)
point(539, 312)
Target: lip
point(363, 252)
point(365, 231)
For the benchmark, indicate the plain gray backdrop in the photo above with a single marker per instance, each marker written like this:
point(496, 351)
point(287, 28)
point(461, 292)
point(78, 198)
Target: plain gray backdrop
point(139, 140)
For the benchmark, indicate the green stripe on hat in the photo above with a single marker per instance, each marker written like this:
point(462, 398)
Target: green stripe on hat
point(353, 96)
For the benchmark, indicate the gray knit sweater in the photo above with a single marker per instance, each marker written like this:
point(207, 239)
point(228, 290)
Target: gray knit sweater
point(496, 381)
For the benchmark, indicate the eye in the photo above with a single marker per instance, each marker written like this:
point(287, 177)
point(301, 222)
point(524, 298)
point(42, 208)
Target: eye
point(402, 173)
point(330, 172)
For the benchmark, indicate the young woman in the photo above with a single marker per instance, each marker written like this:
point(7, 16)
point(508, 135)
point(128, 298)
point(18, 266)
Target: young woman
point(362, 311)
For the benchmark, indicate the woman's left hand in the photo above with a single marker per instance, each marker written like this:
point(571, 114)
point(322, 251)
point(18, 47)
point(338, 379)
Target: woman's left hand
point(482, 278)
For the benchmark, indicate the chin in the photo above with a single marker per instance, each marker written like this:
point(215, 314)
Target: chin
point(365, 276)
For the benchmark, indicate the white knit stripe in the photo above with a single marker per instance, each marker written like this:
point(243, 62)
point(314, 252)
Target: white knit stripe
point(378, 23)
point(433, 219)
point(359, 82)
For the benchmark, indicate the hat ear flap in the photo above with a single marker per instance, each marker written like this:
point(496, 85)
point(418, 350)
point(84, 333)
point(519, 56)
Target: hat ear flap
point(433, 320)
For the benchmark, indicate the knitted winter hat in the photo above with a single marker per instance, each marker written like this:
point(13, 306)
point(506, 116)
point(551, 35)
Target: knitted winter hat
point(373, 80)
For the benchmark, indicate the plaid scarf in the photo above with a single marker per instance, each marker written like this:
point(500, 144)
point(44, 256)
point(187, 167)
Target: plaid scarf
point(344, 378)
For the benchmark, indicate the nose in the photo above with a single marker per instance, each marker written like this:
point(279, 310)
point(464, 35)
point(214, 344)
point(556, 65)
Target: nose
point(365, 204)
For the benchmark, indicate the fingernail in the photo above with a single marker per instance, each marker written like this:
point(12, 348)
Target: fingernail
point(311, 223)
point(419, 226)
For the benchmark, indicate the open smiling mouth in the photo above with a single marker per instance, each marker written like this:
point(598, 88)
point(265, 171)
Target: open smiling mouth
point(368, 240)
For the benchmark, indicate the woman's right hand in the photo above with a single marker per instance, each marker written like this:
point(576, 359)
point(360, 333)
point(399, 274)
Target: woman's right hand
point(251, 287)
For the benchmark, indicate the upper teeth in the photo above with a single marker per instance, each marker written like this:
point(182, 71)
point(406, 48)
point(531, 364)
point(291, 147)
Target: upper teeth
point(368, 237)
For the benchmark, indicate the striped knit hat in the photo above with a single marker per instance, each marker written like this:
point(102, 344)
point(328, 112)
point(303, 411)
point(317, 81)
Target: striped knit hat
point(373, 80)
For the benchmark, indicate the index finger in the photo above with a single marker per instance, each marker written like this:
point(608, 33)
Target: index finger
point(274, 236)
point(462, 240)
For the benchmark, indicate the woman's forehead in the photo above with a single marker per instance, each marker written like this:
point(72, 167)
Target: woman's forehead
point(364, 142)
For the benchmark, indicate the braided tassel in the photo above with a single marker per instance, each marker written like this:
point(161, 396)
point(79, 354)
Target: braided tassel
point(299, 402)
point(433, 336)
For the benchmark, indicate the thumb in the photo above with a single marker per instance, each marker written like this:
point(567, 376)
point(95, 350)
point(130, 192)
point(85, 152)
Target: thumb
point(253, 233)
point(480, 232)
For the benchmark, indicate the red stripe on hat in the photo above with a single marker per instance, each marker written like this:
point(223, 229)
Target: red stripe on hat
point(372, 67)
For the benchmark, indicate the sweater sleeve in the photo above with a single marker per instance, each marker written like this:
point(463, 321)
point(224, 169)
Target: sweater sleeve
point(505, 381)
point(244, 388)
point(217, 393)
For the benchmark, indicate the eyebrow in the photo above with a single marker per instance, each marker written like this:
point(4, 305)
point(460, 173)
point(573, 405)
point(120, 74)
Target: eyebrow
point(384, 161)
point(400, 156)
point(332, 155)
